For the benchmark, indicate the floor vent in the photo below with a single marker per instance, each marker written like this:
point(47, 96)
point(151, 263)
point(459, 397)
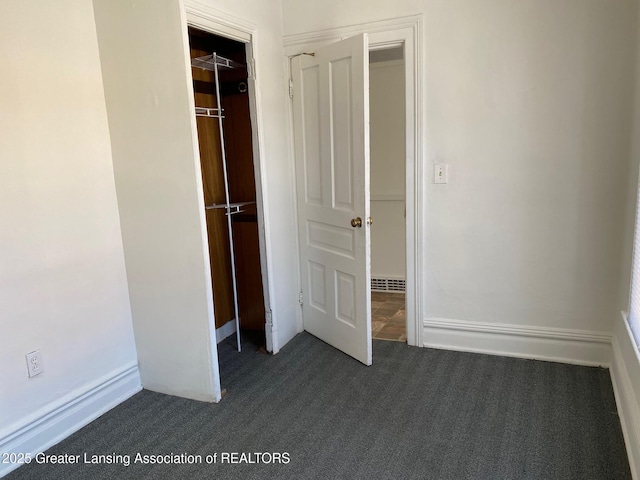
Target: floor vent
point(388, 284)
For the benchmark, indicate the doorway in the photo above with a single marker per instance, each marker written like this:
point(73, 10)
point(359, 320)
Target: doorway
point(220, 74)
point(406, 34)
point(387, 187)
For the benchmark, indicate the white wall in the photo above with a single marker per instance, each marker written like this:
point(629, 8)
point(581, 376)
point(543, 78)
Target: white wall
point(159, 187)
point(63, 287)
point(387, 114)
point(529, 107)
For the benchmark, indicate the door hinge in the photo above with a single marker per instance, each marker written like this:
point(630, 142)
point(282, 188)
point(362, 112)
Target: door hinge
point(301, 299)
point(251, 68)
point(290, 88)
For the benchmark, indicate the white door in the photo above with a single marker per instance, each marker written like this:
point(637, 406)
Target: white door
point(331, 127)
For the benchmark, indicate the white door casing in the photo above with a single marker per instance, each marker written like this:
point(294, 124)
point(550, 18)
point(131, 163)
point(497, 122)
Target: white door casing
point(331, 136)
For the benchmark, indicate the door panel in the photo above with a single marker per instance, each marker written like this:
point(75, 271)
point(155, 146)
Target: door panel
point(331, 123)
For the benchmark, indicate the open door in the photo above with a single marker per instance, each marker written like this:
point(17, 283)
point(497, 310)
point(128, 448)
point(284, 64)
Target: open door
point(331, 128)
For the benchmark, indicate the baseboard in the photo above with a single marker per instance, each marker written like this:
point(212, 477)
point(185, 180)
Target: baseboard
point(225, 330)
point(578, 347)
point(52, 424)
point(628, 405)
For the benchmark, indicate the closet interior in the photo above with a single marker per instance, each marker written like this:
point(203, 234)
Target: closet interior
point(219, 72)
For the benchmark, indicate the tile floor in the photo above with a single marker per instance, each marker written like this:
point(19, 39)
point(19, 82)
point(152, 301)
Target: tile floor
point(388, 316)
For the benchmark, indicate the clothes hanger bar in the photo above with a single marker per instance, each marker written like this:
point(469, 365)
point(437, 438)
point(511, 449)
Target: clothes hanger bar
point(209, 112)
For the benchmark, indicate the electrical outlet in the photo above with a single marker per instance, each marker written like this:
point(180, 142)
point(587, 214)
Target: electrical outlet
point(34, 363)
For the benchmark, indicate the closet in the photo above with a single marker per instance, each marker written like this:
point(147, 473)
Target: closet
point(219, 72)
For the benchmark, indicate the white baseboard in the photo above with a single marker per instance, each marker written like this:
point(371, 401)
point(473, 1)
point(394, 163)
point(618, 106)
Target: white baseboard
point(225, 330)
point(578, 347)
point(628, 404)
point(52, 424)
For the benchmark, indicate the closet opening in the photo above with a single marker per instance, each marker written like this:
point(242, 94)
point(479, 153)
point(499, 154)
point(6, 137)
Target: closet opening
point(388, 193)
point(220, 76)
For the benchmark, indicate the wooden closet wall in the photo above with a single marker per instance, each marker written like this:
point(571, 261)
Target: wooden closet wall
point(241, 181)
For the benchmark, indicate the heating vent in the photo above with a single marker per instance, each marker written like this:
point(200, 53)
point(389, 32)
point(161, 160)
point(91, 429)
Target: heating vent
point(388, 284)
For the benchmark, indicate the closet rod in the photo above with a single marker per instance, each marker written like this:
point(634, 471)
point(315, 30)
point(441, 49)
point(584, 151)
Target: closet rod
point(210, 62)
point(209, 112)
point(232, 208)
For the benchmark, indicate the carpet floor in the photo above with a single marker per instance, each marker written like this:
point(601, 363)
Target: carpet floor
point(417, 413)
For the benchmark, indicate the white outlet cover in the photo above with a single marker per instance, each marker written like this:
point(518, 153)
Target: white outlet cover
point(34, 363)
point(440, 174)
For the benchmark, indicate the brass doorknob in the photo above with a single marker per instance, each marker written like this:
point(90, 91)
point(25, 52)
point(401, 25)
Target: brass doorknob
point(369, 220)
point(356, 222)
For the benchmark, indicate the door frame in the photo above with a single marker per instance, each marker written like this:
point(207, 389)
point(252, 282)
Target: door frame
point(405, 32)
point(218, 23)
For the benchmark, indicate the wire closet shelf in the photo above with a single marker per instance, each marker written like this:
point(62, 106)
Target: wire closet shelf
point(209, 62)
point(213, 63)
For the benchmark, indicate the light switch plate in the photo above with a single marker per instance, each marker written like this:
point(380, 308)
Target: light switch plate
point(440, 174)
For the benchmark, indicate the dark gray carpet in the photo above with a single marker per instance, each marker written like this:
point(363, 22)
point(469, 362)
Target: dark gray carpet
point(416, 413)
